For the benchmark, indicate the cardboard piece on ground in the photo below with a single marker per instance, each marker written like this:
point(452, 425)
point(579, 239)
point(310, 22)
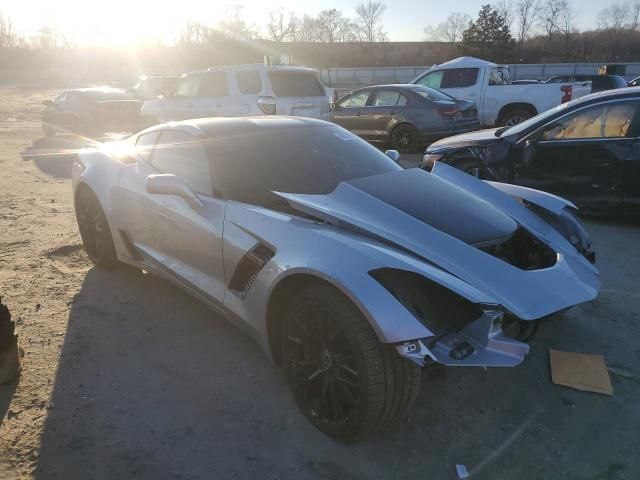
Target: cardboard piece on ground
point(581, 371)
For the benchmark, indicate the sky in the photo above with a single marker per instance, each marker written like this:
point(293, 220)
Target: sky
point(122, 22)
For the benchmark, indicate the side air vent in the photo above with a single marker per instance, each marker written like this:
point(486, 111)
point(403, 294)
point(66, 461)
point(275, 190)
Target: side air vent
point(249, 267)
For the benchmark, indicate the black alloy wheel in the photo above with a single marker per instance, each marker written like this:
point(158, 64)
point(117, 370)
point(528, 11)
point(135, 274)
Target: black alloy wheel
point(344, 380)
point(94, 229)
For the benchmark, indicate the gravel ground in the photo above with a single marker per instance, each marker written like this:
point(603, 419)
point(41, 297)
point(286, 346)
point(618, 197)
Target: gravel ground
point(126, 376)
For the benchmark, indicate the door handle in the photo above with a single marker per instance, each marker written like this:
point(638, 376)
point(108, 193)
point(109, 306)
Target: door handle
point(392, 112)
point(358, 114)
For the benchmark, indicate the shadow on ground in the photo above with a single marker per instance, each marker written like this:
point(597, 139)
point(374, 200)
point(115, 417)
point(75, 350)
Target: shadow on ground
point(54, 155)
point(151, 384)
point(6, 394)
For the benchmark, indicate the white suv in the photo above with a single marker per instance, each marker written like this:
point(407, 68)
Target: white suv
point(242, 90)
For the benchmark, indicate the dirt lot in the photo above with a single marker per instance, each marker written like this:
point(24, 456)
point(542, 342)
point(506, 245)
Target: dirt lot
point(125, 376)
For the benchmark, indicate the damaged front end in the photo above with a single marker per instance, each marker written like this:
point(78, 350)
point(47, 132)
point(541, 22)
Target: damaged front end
point(464, 333)
point(482, 343)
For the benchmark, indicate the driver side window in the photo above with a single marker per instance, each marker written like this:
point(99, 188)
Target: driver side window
point(355, 100)
point(183, 155)
point(602, 121)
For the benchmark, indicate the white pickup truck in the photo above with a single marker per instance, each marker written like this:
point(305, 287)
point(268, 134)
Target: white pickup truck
point(489, 86)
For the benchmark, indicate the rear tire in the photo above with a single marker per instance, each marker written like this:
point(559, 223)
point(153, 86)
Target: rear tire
point(405, 138)
point(94, 230)
point(344, 380)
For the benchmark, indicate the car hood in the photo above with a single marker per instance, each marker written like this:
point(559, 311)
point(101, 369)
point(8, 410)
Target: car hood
point(441, 226)
point(480, 137)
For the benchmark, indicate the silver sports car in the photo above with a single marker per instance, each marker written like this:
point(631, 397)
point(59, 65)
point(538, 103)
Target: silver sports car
point(349, 271)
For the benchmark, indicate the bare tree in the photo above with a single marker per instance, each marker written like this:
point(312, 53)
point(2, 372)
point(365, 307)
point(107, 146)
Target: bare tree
point(634, 15)
point(613, 18)
point(526, 13)
point(234, 25)
point(450, 30)
point(506, 10)
point(332, 26)
point(281, 27)
point(306, 30)
point(369, 20)
point(9, 38)
point(549, 17)
point(193, 33)
point(566, 23)
point(613, 22)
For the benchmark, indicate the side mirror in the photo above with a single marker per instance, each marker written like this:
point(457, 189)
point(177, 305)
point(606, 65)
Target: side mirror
point(393, 155)
point(48, 103)
point(168, 184)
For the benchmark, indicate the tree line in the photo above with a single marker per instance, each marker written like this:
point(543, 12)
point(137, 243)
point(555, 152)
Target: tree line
point(542, 31)
point(528, 31)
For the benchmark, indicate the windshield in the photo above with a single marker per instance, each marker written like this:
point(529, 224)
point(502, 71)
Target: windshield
point(521, 127)
point(432, 94)
point(311, 160)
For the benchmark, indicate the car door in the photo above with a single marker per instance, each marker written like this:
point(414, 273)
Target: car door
point(349, 111)
point(581, 155)
point(183, 242)
point(246, 89)
point(213, 97)
point(382, 107)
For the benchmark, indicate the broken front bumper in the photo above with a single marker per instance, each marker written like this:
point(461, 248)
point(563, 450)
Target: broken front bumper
point(481, 343)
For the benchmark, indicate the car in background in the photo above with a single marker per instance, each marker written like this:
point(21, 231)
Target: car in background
point(349, 271)
point(91, 112)
point(634, 83)
point(599, 83)
point(242, 90)
point(489, 86)
point(587, 151)
point(151, 86)
point(403, 116)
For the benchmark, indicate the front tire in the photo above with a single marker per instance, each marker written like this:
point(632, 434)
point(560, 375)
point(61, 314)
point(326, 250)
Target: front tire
point(405, 138)
point(94, 230)
point(344, 380)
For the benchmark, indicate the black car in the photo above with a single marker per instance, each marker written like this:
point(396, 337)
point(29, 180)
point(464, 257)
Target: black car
point(91, 112)
point(599, 83)
point(404, 116)
point(586, 150)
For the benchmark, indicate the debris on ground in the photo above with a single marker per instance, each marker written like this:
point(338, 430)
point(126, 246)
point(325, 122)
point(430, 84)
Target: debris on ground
point(581, 371)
